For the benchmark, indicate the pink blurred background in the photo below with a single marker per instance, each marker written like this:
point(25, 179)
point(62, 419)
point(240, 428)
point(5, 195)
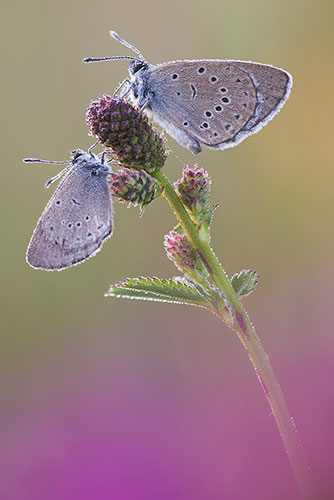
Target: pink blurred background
point(109, 399)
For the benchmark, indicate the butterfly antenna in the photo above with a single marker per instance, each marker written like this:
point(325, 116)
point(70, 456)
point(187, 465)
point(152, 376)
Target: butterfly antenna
point(56, 177)
point(116, 36)
point(49, 162)
point(99, 59)
point(37, 160)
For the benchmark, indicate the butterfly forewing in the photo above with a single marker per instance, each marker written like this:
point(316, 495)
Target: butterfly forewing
point(217, 102)
point(75, 223)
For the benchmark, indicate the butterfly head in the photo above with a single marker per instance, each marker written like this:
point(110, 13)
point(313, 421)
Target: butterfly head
point(76, 154)
point(89, 161)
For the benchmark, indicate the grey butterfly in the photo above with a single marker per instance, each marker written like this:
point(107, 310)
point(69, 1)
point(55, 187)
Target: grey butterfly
point(78, 218)
point(210, 102)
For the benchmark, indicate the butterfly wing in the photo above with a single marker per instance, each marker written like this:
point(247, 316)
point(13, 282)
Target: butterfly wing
point(216, 103)
point(75, 222)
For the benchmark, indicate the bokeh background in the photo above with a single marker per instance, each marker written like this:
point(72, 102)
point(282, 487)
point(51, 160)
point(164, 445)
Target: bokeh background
point(108, 399)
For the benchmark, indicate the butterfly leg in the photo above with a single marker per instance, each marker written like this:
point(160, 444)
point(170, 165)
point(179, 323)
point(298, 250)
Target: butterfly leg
point(125, 83)
point(92, 147)
point(144, 104)
point(109, 153)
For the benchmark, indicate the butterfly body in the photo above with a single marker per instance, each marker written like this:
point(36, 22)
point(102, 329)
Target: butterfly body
point(212, 103)
point(77, 219)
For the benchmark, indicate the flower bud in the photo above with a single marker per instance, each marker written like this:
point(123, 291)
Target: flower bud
point(180, 251)
point(194, 189)
point(129, 133)
point(135, 186)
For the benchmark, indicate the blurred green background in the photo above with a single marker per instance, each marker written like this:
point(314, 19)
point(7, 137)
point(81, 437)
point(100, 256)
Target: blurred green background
point(65, 347)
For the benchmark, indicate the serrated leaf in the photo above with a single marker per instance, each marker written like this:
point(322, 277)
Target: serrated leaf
point(176, 291)
point(244, 282)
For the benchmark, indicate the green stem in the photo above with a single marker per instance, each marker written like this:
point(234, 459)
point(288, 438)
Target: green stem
point(240, 323)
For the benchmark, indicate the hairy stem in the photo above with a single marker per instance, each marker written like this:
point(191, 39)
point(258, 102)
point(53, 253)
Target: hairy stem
point(238, 320)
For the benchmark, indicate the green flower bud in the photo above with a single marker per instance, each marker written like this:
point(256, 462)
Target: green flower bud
point(135, 186)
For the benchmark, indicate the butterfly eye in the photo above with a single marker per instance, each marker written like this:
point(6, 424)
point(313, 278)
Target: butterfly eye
point(76, 154)
point(93, 171)
point(136, 66)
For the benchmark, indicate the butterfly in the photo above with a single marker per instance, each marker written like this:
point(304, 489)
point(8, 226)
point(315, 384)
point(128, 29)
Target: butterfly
point(215, 103)
point(78, 219)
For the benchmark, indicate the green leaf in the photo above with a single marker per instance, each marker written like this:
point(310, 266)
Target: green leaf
point(176, 291)
point(244, 282)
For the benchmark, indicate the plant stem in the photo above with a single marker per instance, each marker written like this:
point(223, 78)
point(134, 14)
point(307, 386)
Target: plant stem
point(240, 323)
